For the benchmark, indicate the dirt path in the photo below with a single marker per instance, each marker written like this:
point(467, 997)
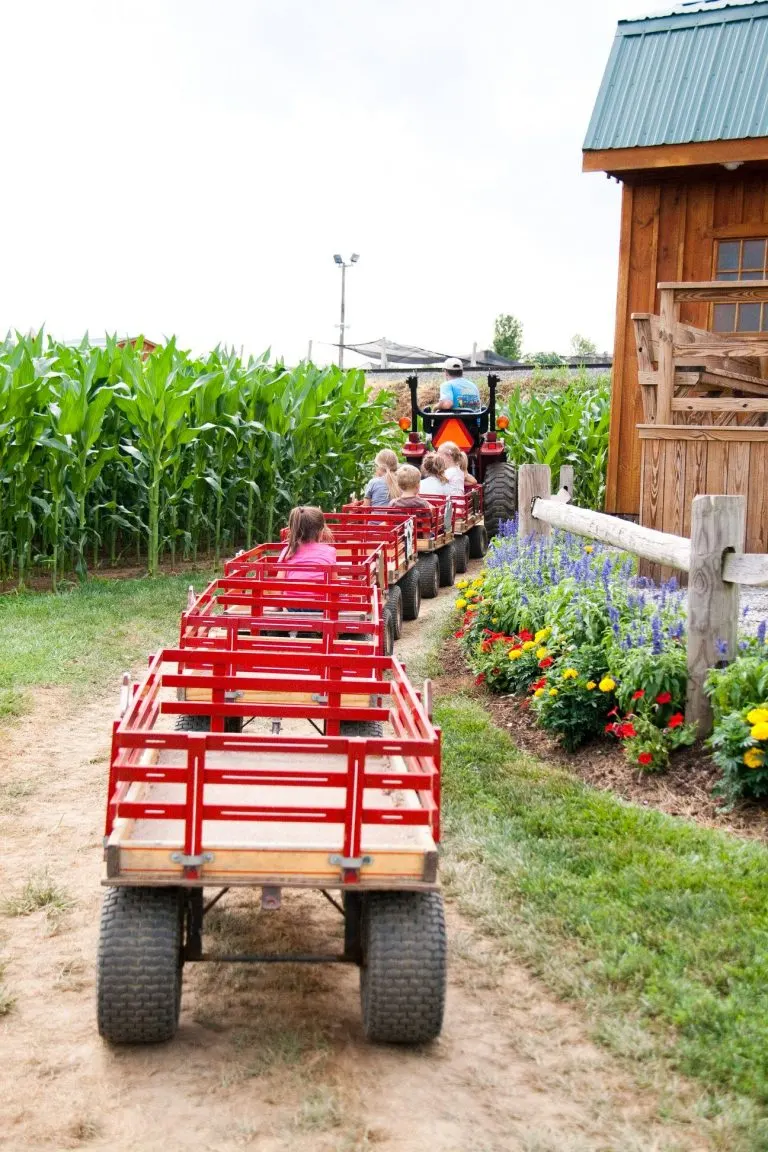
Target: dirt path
point(268, 1058)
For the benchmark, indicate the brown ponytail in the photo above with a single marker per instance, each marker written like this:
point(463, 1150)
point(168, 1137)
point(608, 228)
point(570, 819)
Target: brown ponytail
point(306, 525)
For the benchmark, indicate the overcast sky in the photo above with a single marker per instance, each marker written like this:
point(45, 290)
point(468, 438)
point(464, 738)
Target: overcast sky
point(191, 167)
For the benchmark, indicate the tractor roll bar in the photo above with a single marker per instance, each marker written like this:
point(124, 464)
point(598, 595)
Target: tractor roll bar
point(413, 383)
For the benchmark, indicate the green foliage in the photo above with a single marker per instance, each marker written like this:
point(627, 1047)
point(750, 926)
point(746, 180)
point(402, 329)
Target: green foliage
point(545, 359)
point(646, 918)
point(663, 673)
point(569, 703)
point(508, 336)
point(739, 740)
point(567, 426)
point(108, 453)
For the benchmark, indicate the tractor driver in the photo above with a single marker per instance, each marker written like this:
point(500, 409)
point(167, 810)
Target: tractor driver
point(457, 394)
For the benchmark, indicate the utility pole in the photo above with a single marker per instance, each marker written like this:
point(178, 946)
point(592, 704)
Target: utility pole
point(343, 264)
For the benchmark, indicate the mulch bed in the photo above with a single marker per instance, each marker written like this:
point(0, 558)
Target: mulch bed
point(684, 790)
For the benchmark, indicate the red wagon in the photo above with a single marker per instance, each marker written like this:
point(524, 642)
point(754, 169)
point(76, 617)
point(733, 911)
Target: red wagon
point(434, 540)
point(348, 799)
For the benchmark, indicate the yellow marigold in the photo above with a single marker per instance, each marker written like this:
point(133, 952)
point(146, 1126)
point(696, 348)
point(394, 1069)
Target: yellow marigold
point(759, 731)
point(607, 684)
point(495, 620)
point(553, 691)
point(758, 716)
point(478, 583)
point(590, 685)
point(462, 583)
point(527, 645)
point(515, 653)
point(461, 603)
point(539, 692)
point(542, 634)
point(541, 653)
point(589, 547)
point(570, 674)
point(754, 758)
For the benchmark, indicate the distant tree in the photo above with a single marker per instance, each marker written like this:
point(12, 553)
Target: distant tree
point(545, 359)
point(507, 336)
point(583, 346)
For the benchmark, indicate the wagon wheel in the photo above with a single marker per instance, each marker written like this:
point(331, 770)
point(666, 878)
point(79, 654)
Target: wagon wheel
point(461, 546)
point(429, 576)
point(395, 602)
point(446, 564)
point(138, 981)
point(411, 592)
point(403, 972)
point(203, 724)
point(478, 542)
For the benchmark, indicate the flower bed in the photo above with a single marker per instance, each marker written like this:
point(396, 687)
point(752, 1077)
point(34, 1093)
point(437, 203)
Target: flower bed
point(593, 650)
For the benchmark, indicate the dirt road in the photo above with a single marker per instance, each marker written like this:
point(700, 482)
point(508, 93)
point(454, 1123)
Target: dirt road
point(268, 1058)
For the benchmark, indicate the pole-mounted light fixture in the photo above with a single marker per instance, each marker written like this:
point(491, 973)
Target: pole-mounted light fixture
point(343, 265)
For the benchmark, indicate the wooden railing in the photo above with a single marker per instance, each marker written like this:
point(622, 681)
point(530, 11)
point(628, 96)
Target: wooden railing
point(713, 557)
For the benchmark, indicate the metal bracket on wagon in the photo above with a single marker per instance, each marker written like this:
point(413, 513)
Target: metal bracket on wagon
point(349, 863)
point(191, 861)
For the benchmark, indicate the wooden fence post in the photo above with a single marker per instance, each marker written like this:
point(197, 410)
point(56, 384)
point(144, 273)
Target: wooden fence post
point(532, 480)
point(717, 526)
point(566, 479)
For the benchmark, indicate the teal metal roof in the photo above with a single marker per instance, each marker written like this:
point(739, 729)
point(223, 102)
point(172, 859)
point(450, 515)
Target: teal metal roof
point(696, 73)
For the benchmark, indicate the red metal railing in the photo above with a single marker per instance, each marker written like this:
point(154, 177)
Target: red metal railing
point(415, 740)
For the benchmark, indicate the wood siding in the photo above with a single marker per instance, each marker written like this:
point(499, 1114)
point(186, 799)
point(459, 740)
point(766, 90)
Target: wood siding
point(668, 232)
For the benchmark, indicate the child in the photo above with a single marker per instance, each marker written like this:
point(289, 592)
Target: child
point(453, 473)
point(469, 480)
point(408, 480)
point(433, 481)
point(382, 489)
point(309, 548)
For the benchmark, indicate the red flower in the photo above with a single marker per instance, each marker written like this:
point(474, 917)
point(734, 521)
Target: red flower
point(676, 720)
point(547, 662)
point(664, 698)
point(645, 758)
point(542, 683)
point(525, 635)
point(460, 634)
point(639, 694)
point(612, 729)
point(625, 731)
point(480, 679)
point(485, 646)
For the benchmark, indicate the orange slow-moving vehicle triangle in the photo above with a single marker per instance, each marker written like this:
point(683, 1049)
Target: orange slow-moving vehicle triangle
point(454, 430)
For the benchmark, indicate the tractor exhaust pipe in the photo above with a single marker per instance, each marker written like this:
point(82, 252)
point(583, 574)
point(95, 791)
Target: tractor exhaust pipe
point(413, 383)
point(492, 382)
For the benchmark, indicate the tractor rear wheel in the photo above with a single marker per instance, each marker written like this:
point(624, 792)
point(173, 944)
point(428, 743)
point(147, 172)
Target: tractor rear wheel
point(429, 575)
point(478, 542)
point(461, 545)
point(446, 562)
point(395, 602)
point(403, 973)
point(138, 980)
point(411, 590)
point(499, 496)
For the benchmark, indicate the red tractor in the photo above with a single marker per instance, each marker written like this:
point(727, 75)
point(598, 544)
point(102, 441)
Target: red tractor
point(475, 433)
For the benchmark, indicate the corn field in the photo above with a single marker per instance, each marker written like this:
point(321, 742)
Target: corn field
point(564, 426)
point(111, 456)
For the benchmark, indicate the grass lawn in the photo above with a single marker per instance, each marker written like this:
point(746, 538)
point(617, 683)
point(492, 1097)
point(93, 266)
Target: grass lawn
point(659, 926)
point(87, 636)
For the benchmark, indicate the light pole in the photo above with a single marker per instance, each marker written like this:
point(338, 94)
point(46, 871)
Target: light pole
point(344, 265)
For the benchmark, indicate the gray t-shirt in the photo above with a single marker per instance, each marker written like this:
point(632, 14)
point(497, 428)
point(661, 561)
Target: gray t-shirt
point(377, 492)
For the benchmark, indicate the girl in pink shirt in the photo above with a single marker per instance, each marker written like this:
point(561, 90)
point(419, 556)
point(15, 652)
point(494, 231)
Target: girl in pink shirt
point(309, 548)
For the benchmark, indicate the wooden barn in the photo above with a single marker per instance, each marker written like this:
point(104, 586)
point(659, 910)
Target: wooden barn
point(681, 121)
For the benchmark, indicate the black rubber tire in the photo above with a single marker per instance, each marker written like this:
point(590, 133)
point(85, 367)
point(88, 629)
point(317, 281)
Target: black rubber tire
point(403, 974)
point(361, 728)
point(478, 542)
point(446, 565)
point(429, 576)
point(203, 724)
point(411, 592)
point(395, 603)
point(389, 631)
point(461, 546)
point(499, 496)
point(138, 978)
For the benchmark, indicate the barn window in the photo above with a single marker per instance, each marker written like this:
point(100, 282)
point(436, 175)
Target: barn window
point(741, 260)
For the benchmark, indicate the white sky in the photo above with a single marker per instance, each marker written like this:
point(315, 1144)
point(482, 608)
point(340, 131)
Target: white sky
point(191, 166)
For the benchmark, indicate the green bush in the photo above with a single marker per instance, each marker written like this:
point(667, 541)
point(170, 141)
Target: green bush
point(739, 740)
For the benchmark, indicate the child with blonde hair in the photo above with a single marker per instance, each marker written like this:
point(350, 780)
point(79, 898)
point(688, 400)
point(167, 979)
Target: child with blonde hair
point(469, 480)
point(408, 480)
point(433, 481)
point(382, 489)
point(451, 453)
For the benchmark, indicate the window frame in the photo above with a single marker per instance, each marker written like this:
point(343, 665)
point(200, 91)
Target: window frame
point(730, 276)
